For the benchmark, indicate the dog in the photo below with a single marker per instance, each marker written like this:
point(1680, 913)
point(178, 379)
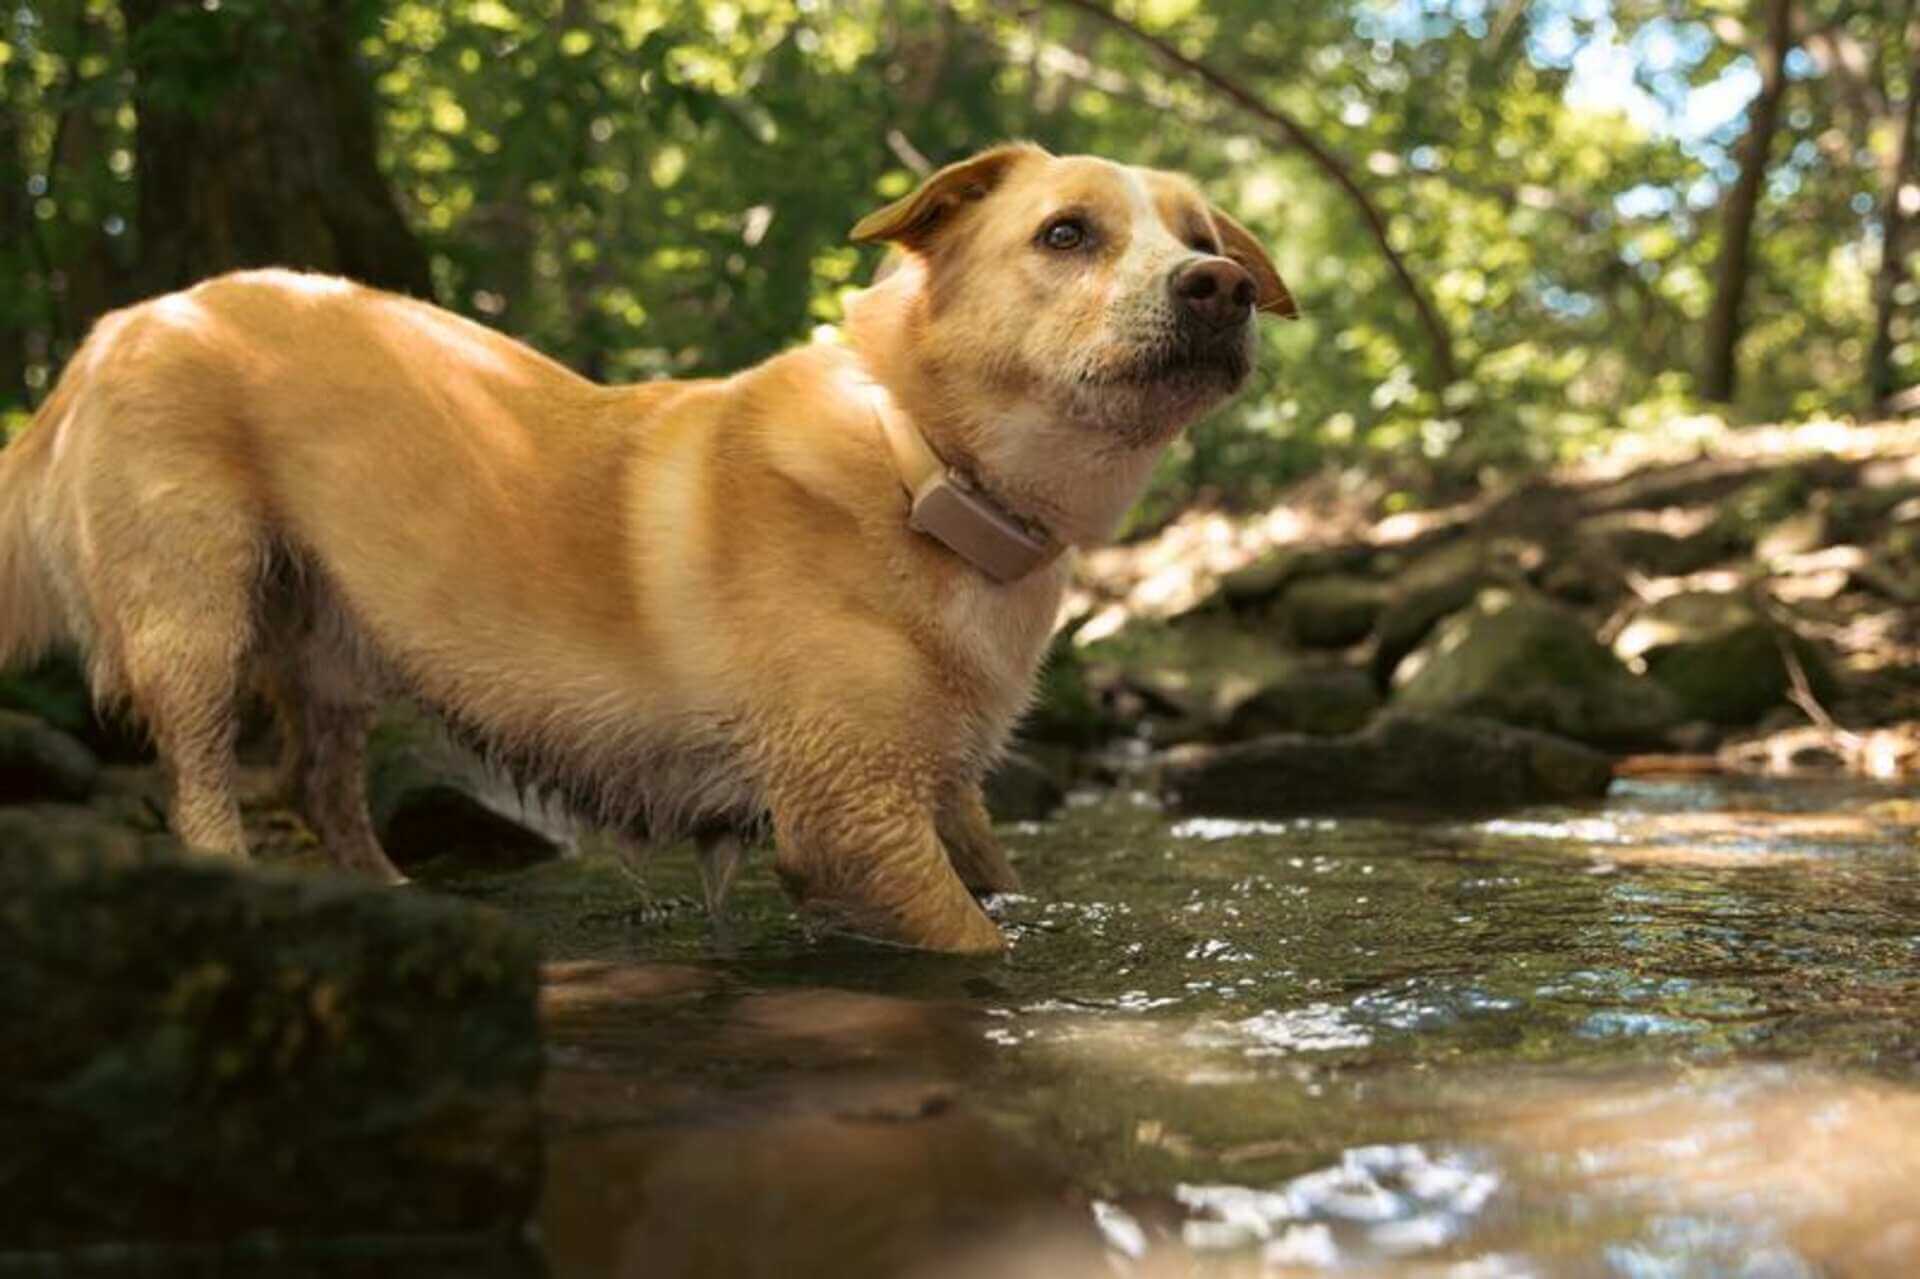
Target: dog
point(810, 597)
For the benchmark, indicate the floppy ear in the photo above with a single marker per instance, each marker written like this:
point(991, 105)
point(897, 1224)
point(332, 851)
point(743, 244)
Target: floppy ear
point(911, 218)
point(1239, 244)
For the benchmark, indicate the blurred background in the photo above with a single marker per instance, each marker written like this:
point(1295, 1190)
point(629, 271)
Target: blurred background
point(1517, 228)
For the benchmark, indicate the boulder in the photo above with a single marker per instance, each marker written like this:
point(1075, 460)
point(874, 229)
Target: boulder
point(1721, 658)
point(39, 762)
point(432, 801)
point(1658, 543)
point(1399, 762)
point(203, 1052)
point(1183, 679)
point(1331, 612)
point(1318, 701)
point(1438, 583)
point(1254, 585)
point(1520, 660)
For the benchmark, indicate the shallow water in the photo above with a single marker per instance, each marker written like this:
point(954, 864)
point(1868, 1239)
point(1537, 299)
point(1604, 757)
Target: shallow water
point(1677, 1034)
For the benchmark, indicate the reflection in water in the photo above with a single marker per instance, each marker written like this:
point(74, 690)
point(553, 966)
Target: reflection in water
point(1673, 1036)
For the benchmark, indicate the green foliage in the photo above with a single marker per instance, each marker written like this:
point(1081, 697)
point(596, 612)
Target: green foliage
point(662, 187)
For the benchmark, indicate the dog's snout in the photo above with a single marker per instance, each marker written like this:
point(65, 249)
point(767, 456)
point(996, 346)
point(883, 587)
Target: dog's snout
point(1218, 292)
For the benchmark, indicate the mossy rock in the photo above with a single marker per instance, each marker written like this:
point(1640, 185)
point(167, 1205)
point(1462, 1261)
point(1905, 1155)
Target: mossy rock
point(1194, 672)
point(1763, 502)
point(1522, 661)
point(1318, 701)
point(218, 1052)
point(1433, 586)
point(55, 690)
point(1399, 762)
point(1722, 659)
point(39, 762)
point(1331, 612)
point(1259, 583)
point(1640, 540)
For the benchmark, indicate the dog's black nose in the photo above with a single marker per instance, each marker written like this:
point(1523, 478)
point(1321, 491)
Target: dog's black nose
point(1218, 292)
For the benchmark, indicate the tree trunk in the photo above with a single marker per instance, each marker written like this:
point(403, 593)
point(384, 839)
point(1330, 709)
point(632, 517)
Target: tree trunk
point(1736, 219)
point(256, 145)
point(16, 225)
point(1893, 225)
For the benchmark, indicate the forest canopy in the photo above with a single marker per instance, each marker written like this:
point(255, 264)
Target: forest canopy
point(1514, 226)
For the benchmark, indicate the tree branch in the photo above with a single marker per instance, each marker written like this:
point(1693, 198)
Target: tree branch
point(1439, 342)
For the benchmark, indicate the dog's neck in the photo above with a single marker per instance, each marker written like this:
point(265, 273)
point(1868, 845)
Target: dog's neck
point(1058, 476)
point(954, 508)
point(1013, 455)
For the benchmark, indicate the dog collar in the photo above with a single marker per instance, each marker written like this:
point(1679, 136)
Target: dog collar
point(948, 507)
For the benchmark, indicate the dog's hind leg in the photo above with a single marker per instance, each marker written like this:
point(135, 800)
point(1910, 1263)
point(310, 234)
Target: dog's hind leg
point(182, 612)
point(978, 858)
point(326, 711)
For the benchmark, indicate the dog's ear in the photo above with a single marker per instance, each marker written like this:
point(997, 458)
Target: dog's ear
point(915, 216)
point(1238, 243)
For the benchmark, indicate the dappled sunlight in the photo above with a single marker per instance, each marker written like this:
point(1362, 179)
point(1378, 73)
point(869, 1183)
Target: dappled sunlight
point(1175, 569)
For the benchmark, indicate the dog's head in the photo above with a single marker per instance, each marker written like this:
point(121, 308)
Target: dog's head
point(1095, 294)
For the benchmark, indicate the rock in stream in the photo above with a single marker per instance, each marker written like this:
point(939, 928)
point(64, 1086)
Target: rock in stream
point(201, 1052)
point(1399, 761)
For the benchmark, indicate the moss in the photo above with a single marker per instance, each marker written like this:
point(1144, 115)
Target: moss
point(1524, 662)
point(219, 1051)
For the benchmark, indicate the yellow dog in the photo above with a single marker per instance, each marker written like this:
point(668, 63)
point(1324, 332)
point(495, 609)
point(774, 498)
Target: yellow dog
point(814, 592)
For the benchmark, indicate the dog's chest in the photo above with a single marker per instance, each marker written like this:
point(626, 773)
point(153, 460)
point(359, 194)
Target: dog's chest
point(996, 635)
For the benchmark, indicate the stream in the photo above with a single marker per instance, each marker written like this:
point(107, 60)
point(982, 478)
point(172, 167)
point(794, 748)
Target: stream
point(1675, 1034)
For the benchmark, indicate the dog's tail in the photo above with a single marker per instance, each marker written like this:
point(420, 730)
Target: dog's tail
point(30, 613)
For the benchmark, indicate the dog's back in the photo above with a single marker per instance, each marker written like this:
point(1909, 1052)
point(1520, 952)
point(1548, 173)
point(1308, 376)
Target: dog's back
point(347, 493)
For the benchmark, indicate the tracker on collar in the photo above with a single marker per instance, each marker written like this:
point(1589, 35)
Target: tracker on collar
point(949, 508)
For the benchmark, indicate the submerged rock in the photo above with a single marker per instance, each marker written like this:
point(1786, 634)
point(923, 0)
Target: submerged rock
point(1528, 663)
point(39, 762)
point(202, 1051)
point(1400, 761)
point(1724, 661)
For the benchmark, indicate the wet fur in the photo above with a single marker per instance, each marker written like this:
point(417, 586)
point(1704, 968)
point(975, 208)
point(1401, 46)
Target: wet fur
point(685, 608)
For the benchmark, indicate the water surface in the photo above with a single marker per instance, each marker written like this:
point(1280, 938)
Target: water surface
point(1676, 1034)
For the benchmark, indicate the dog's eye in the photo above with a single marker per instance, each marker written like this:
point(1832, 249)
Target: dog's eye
point(1064, 234)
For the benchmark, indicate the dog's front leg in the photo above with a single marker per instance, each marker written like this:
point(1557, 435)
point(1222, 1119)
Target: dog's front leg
point(858, 848)
point(977, 856)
